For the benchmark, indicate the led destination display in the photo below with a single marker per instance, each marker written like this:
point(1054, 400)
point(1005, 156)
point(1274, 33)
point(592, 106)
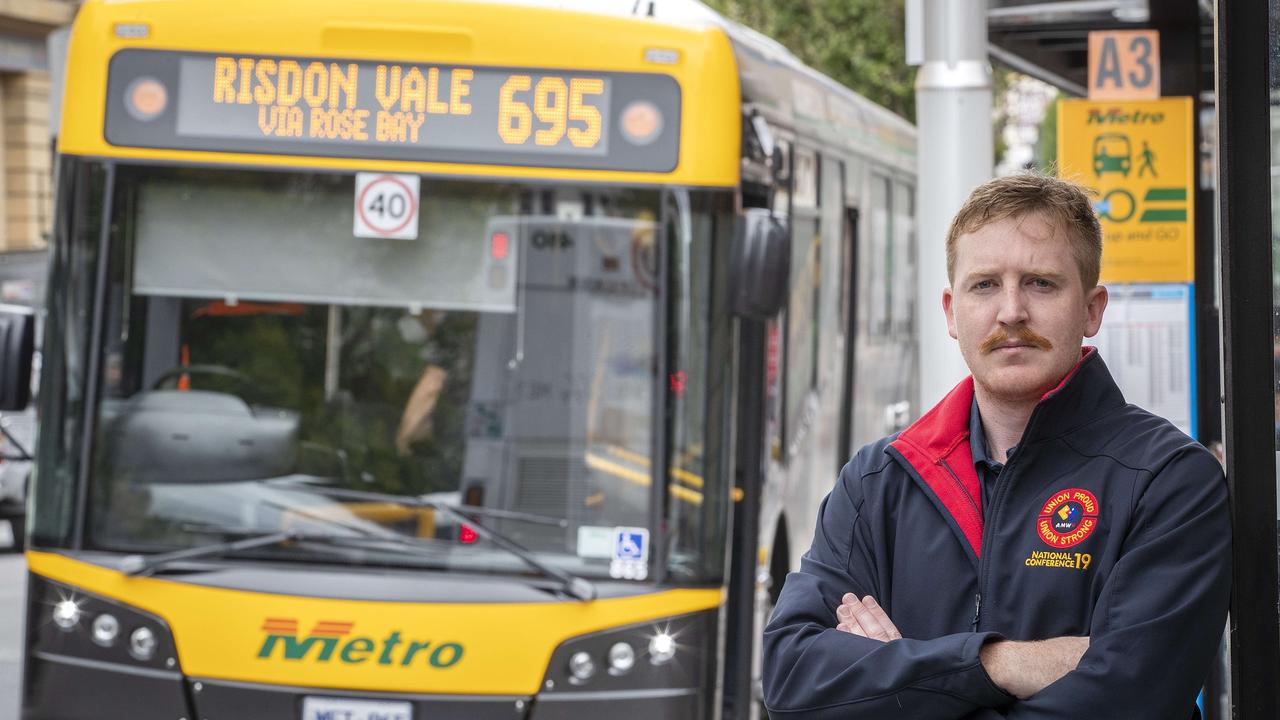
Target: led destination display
point(393, 110)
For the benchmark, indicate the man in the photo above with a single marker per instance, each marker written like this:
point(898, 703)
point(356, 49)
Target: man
point(1032, 547)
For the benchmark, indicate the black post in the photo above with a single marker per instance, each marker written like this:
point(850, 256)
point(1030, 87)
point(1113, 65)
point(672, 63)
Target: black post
point(1244, 183)
point(1208, 325)
point(740, 630)
point(1182, 73)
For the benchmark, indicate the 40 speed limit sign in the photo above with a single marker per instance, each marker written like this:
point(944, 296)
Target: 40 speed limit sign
point(386, 206)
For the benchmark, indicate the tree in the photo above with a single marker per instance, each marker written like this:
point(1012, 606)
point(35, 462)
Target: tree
point(858, 43)
point(1047, 144)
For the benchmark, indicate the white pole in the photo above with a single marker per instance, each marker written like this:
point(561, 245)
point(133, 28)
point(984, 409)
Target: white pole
point(953, 111)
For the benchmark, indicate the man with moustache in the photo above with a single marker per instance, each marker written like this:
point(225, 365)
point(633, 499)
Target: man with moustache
point(1032, 547)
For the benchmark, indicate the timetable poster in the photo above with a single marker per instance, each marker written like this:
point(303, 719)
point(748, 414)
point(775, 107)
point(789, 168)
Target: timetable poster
point(1147, 342)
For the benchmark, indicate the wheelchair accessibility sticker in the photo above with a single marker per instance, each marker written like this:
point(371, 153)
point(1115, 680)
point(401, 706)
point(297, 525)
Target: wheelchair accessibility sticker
point(630, 553)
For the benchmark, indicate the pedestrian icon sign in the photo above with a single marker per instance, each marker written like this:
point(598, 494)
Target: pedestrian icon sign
point(1137, 157)
point(1112, 152)
point(1148, 161)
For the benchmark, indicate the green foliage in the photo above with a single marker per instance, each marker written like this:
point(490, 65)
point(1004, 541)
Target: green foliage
point(1001, 80)
point(1047, 144)
point(859, 43)
point(281, 359)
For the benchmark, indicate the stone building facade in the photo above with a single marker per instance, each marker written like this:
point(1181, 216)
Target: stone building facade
point(26, 146)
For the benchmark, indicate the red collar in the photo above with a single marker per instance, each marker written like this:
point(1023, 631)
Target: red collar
point(936, 446)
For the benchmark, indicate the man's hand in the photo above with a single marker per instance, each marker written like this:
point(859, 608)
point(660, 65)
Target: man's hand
point(865, 617)
point(1021, 668)
point(1025, 668)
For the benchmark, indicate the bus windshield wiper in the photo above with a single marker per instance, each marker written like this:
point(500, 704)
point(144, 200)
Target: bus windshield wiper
point(570, 584)
point(147, 564)
point(249, 539)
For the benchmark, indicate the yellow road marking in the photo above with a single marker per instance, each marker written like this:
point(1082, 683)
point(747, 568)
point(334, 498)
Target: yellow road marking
point(595, 462)
point(676, 472)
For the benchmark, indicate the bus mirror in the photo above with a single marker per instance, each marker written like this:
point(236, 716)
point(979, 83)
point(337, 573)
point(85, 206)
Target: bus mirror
point(761, 264)
point(17, 347)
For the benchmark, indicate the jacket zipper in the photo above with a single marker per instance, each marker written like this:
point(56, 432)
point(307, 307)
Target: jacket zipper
point(967, 496)
point(1002, 482)
point(977, 599)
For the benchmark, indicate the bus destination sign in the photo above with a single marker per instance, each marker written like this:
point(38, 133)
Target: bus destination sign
point(393, 110)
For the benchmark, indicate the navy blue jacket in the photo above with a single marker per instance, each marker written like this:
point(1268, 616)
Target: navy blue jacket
point(1107, 522)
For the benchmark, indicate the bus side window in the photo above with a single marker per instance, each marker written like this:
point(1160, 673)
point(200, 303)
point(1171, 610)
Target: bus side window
point(848, 310)
point(842, 209)
point(880, 257)
point(775, 328)
point(904, 302)
point(831, 339)
point(904, 259)
point(806, 286)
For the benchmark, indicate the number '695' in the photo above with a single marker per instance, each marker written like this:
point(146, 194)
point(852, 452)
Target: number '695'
point(561, 108)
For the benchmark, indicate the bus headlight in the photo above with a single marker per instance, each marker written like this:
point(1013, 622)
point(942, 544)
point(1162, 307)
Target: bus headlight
point(66, 614)
point(581, 666)
point(622, 657)
point(79, 624)
point(142, 643)
point(105, 629)
point(613, 661)
point(662, 647)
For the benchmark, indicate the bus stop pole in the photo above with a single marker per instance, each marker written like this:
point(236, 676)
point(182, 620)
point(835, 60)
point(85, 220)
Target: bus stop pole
point(948, 40)
point(1246, 236)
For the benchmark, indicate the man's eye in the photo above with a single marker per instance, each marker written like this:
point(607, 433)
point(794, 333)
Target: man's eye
point(1042, 283)
point(983, 285)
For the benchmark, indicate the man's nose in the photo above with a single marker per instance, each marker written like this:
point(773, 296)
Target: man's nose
point(1013, 306)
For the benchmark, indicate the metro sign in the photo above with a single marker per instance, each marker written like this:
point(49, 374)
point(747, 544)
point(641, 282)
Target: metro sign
point(331, 640)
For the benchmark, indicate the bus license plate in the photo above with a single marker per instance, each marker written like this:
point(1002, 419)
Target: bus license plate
point(321, 708)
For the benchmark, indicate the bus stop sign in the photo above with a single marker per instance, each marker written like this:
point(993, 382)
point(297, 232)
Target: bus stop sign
point(1137, 157)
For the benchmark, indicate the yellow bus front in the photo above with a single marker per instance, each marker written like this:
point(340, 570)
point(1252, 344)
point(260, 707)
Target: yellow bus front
point(384, 377)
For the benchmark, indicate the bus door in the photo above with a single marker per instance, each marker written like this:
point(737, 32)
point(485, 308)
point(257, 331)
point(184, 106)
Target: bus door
point(849, 321)
point(561, 427)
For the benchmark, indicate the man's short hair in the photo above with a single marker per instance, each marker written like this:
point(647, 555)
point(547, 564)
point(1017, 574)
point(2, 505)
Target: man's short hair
point(1063, 204)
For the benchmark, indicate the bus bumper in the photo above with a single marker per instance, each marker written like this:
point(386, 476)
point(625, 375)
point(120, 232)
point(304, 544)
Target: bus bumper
point(70, 689)
point(73, 673)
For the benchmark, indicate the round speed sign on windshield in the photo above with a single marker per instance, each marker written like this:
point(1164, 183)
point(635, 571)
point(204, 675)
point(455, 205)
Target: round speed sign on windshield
point(386, 206)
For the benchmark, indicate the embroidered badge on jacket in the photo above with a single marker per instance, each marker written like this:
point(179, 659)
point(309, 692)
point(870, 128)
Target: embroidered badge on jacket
point(1067, 518)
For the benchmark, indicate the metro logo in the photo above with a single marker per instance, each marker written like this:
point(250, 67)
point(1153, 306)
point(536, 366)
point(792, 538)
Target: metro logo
point(1121, 116)
point(329, 639)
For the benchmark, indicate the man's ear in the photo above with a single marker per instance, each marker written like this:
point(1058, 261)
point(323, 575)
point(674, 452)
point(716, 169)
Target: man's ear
point(947, 299)
point(1095, 304)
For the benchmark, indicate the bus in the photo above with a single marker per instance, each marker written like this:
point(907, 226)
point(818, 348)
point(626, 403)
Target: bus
point(413, 360)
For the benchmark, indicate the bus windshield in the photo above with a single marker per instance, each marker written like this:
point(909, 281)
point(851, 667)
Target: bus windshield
point(258, 354)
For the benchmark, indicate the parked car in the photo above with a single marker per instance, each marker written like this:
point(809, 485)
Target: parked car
point(15, 469)
point(23, 278)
